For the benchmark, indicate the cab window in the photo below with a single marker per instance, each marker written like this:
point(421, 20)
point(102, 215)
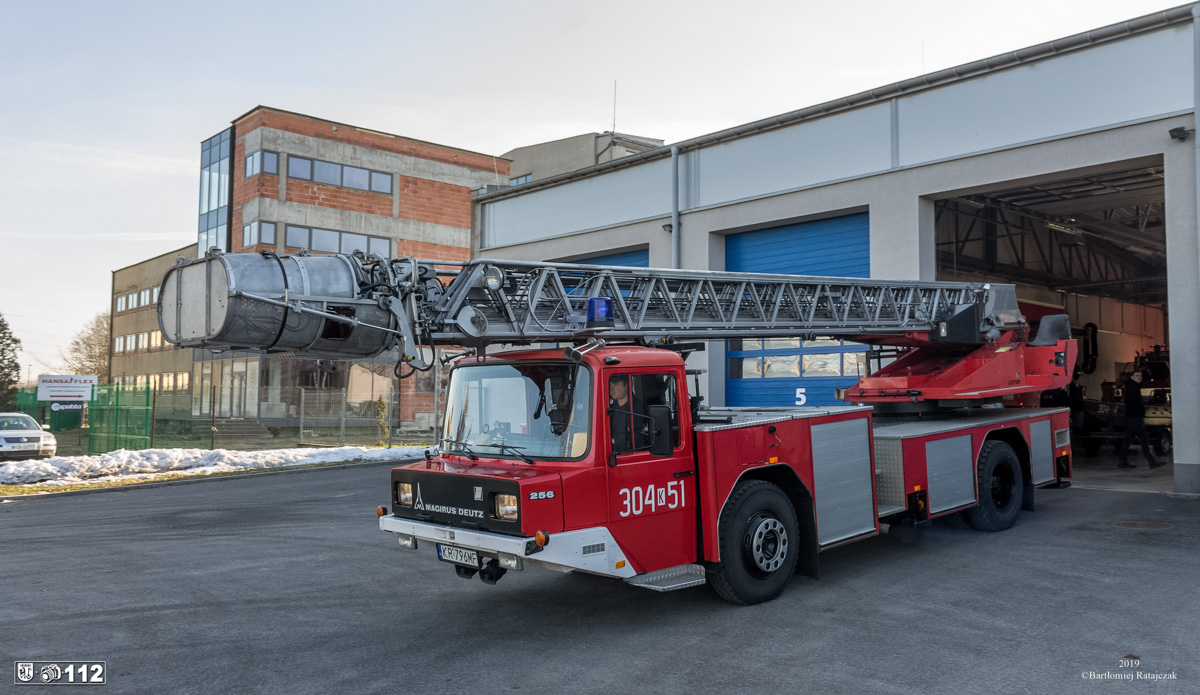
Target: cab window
point(629, 399)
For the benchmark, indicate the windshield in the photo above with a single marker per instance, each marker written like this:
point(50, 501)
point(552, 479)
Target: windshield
point(530, 410)
point(18, 422)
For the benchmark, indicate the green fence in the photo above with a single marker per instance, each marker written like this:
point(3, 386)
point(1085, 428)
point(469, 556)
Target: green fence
point(27, 402)
point(119, 418)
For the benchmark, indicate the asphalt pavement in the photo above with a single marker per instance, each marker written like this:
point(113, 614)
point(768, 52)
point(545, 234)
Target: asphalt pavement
point(285, 584)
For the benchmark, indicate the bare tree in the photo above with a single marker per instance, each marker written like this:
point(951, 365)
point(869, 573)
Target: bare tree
point(88, 351)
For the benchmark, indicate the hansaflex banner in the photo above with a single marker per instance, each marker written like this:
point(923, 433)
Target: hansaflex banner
point(71, 387)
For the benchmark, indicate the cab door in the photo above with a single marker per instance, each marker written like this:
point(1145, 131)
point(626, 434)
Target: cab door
point(652, 499)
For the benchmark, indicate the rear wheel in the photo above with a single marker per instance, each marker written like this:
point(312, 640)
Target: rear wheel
point(759, 541)
point(1001, 488)
point(1162, 442)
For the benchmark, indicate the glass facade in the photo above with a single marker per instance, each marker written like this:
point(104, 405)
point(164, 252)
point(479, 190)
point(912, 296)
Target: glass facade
point(216, 188)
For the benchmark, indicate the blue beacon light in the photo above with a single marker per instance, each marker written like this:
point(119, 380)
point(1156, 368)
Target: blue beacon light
point(599, 312)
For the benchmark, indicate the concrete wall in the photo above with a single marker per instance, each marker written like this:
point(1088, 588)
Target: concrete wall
point(554, 157)
point(547, 159)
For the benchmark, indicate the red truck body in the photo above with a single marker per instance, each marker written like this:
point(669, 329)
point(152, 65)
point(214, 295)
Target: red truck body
point(657, 520)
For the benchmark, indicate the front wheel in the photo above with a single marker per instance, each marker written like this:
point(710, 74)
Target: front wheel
point(759, 541)
point(1001, 488)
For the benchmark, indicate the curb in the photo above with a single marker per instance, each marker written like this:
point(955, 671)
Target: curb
point(191, 481)
point(1168, 493)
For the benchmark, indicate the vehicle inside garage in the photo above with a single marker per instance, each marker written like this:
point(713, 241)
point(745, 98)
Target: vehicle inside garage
point(1092, 245)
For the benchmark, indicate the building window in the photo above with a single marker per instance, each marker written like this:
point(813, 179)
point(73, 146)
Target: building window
point(181, 380)
point(168, 382)
point(784, 358)
point(152, 380)
point(339, 175)
point(140, 381)
point(297, 237)
point(353, 177)
point(261, 162)
point(300, 168)
point(330, 241)
point(520, 180)
point(155, 339)
point(131, 300)
point(119, 344)
point(258, 233)
point(380, 182)
point(325, 240)
point(144, 298)
point(324, 172)
point(121, 303)
point(143, 341)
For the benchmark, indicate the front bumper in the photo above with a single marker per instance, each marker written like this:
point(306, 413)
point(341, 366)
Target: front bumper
point(7, 453)
point(564, 552)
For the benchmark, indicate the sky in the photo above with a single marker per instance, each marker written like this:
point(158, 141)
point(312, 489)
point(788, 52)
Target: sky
point(103, 106)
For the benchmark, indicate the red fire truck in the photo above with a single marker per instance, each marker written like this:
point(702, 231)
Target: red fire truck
point(597, 458)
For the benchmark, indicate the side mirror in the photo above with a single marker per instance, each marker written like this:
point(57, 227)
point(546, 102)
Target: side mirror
point(660, 445)
point(46, 426)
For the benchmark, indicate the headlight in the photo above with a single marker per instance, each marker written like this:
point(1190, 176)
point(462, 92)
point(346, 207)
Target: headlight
point(504, 507)
point(404, 494)
point(49, 440)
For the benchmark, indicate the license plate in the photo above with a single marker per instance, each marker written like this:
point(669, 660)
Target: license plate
point(458, 556)
point(25, 447)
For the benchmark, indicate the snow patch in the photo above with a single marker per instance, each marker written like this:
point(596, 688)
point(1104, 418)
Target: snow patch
point(148, 464)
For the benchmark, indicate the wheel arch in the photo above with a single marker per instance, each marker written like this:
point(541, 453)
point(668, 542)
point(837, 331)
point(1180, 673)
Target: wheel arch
point(1013, 437)
point(785, 478)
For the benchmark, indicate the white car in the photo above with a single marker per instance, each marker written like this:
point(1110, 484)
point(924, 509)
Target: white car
point(22, 438)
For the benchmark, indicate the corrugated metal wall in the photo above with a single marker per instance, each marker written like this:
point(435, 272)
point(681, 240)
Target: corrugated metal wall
point(796, 372)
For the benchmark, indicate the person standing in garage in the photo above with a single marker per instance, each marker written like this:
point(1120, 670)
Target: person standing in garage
point(1135, 423)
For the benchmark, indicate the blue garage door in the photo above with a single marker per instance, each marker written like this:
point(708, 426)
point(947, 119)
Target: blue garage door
point(791, 371)
point(631, 259)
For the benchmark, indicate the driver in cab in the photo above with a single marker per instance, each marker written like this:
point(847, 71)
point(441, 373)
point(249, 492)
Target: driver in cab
point(627, 417)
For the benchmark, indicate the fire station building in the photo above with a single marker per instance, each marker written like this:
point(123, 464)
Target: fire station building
point(1027, 167)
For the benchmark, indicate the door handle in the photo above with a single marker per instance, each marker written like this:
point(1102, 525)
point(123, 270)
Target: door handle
point(683, 474)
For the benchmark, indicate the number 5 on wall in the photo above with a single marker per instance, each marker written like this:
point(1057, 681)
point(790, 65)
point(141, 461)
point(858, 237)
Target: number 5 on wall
point(801, 399)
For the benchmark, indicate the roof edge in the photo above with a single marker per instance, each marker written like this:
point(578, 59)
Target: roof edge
point(1181, 14)
point(297, 114)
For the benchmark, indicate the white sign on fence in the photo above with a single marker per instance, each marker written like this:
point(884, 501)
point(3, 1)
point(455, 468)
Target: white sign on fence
point(69, 387)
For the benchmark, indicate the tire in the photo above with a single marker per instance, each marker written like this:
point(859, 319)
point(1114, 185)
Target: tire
point(1001, 488)
point(759, 541)
point(957, 520)
point(1162, 442)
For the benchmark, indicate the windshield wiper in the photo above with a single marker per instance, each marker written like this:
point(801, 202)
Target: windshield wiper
point(465, 449)
point(516, 450)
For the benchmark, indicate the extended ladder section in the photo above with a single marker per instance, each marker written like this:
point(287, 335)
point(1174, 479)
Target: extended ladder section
point(963, 341)
point(361, 306)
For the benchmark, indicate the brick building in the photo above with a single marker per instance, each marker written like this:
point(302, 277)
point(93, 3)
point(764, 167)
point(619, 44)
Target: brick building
point(283, 182)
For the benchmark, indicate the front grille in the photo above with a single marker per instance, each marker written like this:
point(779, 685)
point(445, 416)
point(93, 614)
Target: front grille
point(23, 440)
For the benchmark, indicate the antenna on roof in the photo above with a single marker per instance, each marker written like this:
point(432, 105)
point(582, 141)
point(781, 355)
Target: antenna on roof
point(614, 124)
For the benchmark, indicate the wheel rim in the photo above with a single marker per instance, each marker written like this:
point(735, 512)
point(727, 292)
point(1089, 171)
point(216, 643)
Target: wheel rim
point(1003, 484)
point(765, 544)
